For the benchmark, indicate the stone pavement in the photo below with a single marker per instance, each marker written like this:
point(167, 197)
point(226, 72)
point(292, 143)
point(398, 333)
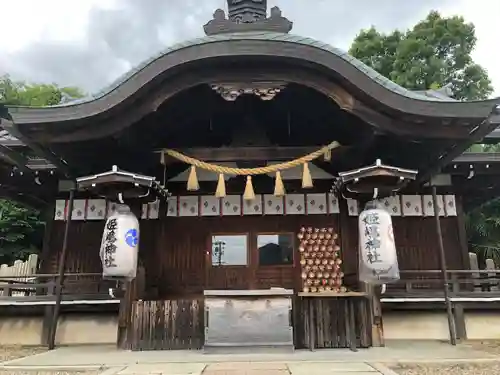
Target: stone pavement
point(301, 362)
point(250, 368)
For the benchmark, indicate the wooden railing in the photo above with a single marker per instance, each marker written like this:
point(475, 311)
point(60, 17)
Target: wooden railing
point(37, 288)
point(473, 284)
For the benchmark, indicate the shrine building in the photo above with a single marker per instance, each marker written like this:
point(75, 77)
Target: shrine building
point(276, 183)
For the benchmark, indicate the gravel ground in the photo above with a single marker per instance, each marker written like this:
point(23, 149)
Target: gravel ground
point(486, 368)
point(492, 347)
point(439, 369)
point(12, 352)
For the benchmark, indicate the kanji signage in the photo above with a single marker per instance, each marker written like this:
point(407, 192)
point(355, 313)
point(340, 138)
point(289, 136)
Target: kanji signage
point(378, 257)
point(120, 245)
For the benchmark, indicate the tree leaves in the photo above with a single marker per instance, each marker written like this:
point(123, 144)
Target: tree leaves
point(483, 222)
point(436, 52)
point(21, 231)
point(35, 95)
point(483, 230)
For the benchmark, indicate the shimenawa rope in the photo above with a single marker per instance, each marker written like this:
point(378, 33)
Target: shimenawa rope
point(252, 171)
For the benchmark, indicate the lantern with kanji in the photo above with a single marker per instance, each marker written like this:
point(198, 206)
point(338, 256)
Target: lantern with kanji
point(378, 261)
point(120, 245)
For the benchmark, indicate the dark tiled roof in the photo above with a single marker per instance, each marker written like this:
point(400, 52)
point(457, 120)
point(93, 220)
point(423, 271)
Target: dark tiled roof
point(270, 36)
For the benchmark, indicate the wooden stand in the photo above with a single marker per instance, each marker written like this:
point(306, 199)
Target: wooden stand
point(336, 320)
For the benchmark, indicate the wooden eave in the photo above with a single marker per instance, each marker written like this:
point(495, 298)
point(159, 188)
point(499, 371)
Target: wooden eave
point(355, 87)
point(111, 124)
point(480, 163)
point(354, 76)
point(478, 157)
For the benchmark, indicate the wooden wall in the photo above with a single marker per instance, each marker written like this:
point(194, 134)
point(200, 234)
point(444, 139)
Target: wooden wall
point(179, 261)
point(175, 251)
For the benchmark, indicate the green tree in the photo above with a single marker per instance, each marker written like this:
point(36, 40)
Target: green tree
point(35, 95)
point(483, 222)
point(434, 53)
point(483, 230)
point(21, 231)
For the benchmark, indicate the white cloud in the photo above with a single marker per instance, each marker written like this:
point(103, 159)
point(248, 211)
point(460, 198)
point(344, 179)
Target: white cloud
point(88, 43)
point(33, 21)
point(484, 14)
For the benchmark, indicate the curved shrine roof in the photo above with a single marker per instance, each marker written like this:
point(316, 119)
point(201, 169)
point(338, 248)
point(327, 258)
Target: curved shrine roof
point(248, 32)
point(262, 44)
point(269, 36)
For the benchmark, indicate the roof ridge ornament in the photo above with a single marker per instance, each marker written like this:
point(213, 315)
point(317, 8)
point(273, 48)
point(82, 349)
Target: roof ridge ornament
point(247, 16)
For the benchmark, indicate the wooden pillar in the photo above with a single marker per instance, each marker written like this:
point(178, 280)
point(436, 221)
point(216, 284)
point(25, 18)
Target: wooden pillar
point(458, 311)
point(475, 276)
point(444, 271)
point(490, 266)
point(349, 244)
point(48, 218)
point(375, 312)
point(124, 315)
point(130, 295)
point(62, 266)
point(373, 292)
point(462, 233)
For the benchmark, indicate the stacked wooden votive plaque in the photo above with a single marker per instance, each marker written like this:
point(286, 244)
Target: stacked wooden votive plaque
point(320, 261)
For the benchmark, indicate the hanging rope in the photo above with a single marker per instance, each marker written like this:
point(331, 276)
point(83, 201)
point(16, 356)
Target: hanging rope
point(326, 150)
point(249, 194)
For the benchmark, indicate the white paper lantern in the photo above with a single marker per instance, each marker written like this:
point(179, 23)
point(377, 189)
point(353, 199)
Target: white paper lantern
point(378, 261)
point(120, 245)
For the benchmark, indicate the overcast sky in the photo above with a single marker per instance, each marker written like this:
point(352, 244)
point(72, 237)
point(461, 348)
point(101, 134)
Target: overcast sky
point(89, 43)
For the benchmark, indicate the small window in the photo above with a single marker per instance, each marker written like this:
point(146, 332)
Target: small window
point(229, 250)
point(275, 249)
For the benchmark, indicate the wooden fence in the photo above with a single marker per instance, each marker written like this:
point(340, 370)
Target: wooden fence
point(168, 324)
point(20, 268)
point(473, 283)
point(332, 322)
point(20, 283)
point(19, 273)
point(478, 277)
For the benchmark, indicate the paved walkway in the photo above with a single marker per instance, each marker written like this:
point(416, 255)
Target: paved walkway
point(301, 362)
point(253, 368)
